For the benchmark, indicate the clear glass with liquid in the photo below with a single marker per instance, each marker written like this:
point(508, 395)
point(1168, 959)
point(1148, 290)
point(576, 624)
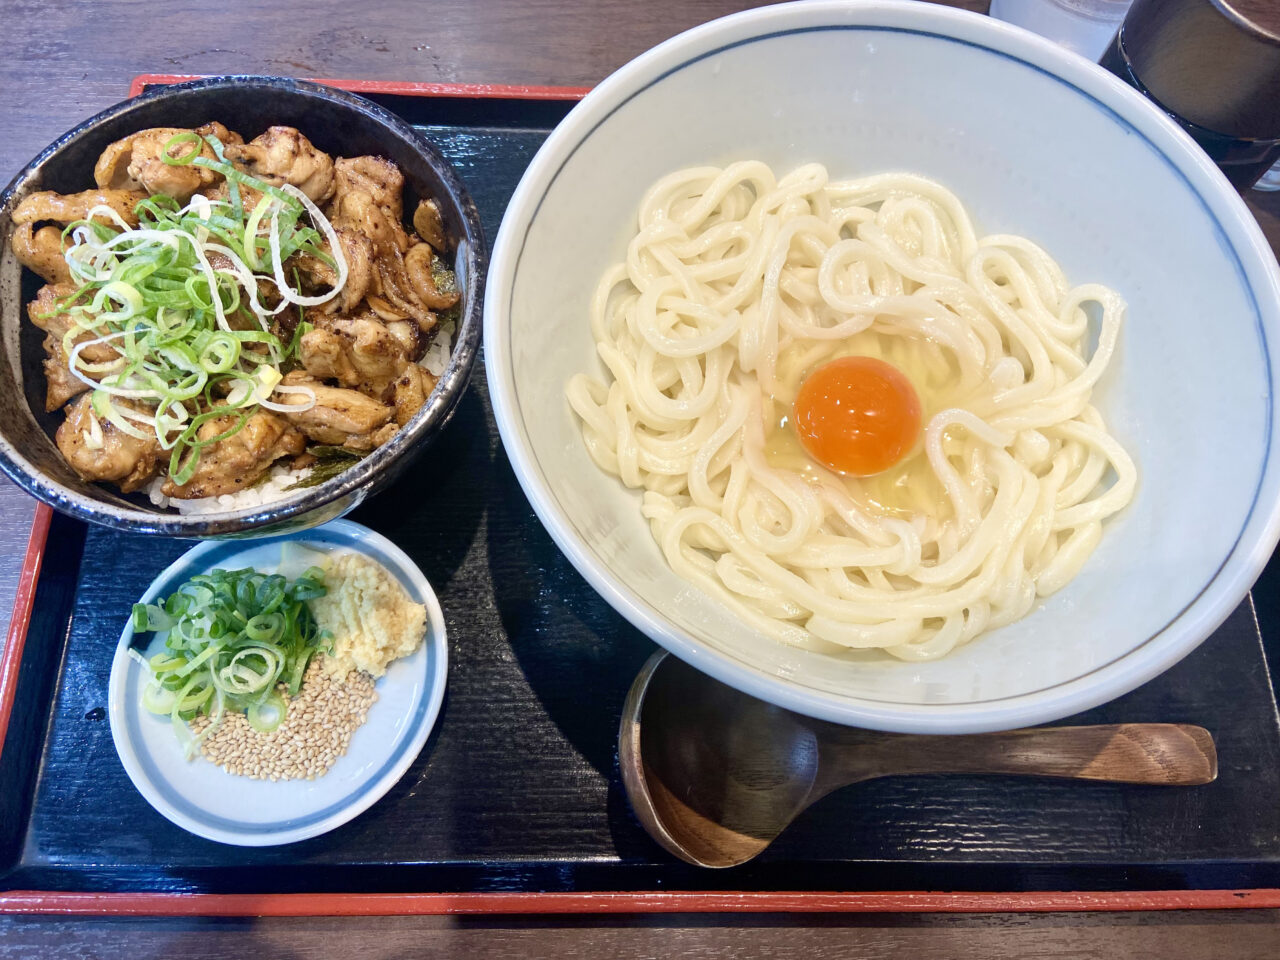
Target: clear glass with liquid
point(1085, 26)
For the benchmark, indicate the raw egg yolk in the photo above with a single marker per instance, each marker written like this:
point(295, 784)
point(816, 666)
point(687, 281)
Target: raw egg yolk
point(857, 415)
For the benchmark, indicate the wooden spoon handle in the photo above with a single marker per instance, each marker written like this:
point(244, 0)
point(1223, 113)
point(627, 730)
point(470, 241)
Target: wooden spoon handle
point(1156, 753)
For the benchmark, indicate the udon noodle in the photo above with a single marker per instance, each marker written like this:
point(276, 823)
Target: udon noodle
point(736, 285)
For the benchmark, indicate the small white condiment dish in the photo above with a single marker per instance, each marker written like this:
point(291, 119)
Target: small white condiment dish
point(211, 803)
point(1035, 141)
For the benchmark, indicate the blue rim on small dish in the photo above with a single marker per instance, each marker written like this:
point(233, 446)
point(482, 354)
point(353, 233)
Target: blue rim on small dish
point(208, 802)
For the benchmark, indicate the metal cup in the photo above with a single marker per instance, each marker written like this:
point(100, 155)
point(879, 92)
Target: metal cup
point(1214, 66)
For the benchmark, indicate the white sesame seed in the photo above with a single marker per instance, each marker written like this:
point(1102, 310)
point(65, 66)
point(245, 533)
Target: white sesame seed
point(315, 732)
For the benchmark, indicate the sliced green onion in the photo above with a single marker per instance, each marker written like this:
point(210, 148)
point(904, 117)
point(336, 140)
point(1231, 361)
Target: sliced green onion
point(233, 189)
point(237, 177)
point(153, 294)
point(182, 139)
point(267, 715)
point(157, 699)
point(233, 637)
point(251, 232)
point(273, 238)
point(104, 408)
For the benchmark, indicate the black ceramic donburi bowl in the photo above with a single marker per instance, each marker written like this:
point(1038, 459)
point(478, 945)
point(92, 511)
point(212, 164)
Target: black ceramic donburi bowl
point(337, 122)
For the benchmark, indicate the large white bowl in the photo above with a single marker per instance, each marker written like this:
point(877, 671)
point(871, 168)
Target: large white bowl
point(1035, 141)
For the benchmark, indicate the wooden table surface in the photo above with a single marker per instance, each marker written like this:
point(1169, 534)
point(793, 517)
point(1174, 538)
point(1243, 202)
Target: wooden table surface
point(67, 59)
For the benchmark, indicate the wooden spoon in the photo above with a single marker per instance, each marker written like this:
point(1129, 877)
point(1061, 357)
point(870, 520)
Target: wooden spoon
point(715, 775)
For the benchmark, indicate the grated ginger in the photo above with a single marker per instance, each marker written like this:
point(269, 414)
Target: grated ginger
point(372, 619)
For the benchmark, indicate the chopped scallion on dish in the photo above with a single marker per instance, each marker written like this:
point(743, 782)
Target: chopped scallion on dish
point(177, 297)
point(232, 637)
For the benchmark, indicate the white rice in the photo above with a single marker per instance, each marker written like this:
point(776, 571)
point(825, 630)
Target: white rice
point(437, 356)
point(276, 487)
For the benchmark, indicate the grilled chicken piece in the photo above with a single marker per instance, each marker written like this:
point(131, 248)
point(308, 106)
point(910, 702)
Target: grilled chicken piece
point(40, 251)
point(358, 253)
point(371, 441)
point(340, 416)
point(417, 264)
point(358, 215)
point(60, 384)
point(236, 462)
point(135, 163)
point(358, 211)
point(356, 351)
point(43, 306)
point(368, 200)
point(119, 458)
point(395, 286)
point(384, 311)
point(220, 261)
point(412, 388)
point(410, 337)
point(376, 178)
point(249, 197)
point(283, 155)
point(401, 326)
point(66, 207)
point(41, 311)
point(429, 226)
point(214, 129)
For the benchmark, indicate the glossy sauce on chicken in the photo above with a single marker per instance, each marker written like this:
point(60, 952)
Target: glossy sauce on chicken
point(340, 375)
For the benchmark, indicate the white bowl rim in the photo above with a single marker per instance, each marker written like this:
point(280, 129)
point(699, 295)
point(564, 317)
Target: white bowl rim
point(1185, 631)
